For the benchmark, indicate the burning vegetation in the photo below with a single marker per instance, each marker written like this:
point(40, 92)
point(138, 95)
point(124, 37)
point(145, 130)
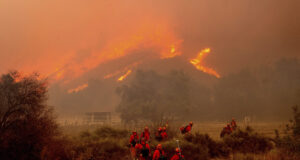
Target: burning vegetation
point(124, 76)
point(79, 88)
point(198, 63)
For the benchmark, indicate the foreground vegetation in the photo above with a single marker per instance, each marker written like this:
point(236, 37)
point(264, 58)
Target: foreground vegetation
point(28, 131)
point(112, 143)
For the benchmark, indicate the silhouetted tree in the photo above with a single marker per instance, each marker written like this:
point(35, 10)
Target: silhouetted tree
point(26, 122)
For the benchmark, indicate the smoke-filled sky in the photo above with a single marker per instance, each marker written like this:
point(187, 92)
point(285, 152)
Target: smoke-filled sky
point(48, 35)
point(80, 43)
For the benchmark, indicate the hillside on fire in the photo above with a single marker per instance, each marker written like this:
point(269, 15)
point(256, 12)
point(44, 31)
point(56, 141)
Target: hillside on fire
point(149, 80)
point(263, 92)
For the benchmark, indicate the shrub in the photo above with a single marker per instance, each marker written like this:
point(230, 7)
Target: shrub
point(27, 124)
point(109, 132)
point(215, 149)
point(104, 143)
point(289, 144)
point(247, 141)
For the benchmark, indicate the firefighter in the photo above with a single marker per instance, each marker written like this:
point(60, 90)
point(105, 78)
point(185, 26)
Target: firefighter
point(223, 132)
point(143, 150)
point(158, 134)
point(233, 124)
point(228, 128)
point(146, 134)
point(134, 138)
point(159, 153)
point(164, 134)
point(187, 129)
point(178, 155)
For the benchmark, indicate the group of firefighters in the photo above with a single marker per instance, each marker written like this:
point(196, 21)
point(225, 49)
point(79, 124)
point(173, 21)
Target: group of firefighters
point(140, 149)
point(229, 128)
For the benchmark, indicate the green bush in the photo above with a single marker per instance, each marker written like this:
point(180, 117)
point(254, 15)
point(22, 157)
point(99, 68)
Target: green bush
point(247, 141)
point(215, 149)
point(104, 143)
point(109, 132)
point(289, 144)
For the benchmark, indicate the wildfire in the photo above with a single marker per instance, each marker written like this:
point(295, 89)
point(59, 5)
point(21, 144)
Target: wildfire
point(172, 51)
point(111, 75)
point(124, 76)
point(77, 89)
point(122, 70)
point(159, 38)
point(197, 62)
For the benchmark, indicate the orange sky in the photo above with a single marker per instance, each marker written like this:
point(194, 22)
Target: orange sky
point(46, 36)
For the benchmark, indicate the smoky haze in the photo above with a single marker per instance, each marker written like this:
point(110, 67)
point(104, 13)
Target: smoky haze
point(254, 47)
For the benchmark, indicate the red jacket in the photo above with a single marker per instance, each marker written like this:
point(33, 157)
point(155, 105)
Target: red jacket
point(156, 154)
point(164, 135)
point(176, 157)
point(188, 128)
point(145, 135)
point(133, 140)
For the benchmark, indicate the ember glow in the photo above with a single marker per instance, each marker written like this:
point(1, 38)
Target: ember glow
point(124, 76)
point(111, 75)
point(79, 88)
point(198, 63)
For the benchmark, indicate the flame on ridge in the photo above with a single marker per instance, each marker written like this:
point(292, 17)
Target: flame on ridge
point(124, 76)
point(198, 63)
point(79, 88)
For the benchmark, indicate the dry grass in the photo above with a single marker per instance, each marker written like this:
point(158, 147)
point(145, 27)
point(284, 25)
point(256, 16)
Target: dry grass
point(214, 128)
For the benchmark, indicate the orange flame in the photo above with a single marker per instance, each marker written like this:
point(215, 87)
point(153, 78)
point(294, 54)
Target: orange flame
point(124, 76)
point(197, 62)
point(77, 89)
point(111, 75)
point(122, 70)
point(148, 36)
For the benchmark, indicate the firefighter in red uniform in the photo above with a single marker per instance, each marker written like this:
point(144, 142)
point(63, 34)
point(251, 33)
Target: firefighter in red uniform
point(134, 138)
point(228, 129)
point(233, 124)
point(164, 134)
point(187, 129)
point(178, 155)
point(146, 134)
point(143, 150)
point(159, 153)
point(158, 134)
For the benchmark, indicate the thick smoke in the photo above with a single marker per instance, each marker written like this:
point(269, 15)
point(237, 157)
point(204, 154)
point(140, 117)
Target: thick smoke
point(74, 43)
